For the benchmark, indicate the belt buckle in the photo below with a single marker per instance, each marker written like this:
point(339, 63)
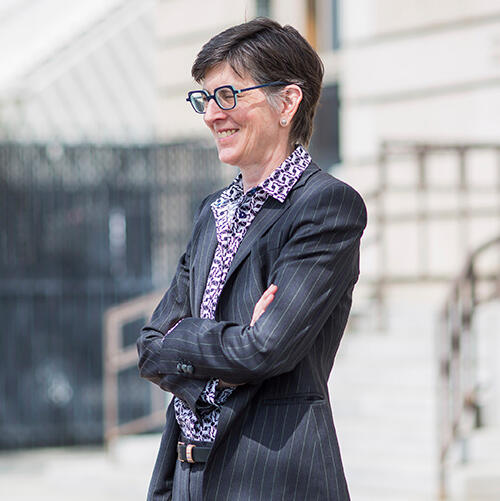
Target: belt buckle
point(189, 453)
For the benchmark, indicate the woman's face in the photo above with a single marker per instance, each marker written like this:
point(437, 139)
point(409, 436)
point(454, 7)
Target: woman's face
point(250, 134)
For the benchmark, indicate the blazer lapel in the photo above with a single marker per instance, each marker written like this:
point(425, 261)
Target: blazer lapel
point(265, 218)
point(204, 252)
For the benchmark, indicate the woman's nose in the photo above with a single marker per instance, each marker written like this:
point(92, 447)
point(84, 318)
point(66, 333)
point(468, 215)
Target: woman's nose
point(213, 112)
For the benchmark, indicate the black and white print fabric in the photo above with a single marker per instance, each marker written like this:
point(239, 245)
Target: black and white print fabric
point(234, 211)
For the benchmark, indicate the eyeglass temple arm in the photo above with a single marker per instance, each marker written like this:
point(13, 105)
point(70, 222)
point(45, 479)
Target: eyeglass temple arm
point(237, 91)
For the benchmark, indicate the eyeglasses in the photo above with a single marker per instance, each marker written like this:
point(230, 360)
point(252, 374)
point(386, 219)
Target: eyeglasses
point(224, 96)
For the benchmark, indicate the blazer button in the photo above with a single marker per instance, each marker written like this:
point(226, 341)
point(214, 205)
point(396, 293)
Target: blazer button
point(189, 369)
point(184, 368)
point(179, 367)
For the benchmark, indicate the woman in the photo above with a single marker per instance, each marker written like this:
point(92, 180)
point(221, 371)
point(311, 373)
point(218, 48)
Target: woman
point(246, 335)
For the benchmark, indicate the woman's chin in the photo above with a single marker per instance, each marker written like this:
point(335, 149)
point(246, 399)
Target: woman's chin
point(227, 157)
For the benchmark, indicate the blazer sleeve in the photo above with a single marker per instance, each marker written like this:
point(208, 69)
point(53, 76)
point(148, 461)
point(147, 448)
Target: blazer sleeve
point(315, 268)
point(173, 307)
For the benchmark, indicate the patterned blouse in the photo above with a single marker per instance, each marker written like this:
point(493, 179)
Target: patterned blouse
point(234, 211)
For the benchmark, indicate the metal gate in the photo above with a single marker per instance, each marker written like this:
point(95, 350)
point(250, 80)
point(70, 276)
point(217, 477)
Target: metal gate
point(83, 227)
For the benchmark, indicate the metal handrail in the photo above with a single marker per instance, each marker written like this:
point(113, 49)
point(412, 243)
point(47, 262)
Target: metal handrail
point(458, 403)
point(424, 215)
point(118, 358)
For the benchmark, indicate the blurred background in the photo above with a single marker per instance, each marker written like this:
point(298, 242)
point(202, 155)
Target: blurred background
point(103, 163)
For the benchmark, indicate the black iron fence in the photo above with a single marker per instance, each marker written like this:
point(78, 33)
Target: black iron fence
point(83, 227)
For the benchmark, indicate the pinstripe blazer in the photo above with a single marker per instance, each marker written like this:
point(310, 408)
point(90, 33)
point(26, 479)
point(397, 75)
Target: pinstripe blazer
point(276, 438)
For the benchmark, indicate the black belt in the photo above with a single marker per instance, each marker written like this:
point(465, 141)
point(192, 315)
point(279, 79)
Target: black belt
point(192, 453)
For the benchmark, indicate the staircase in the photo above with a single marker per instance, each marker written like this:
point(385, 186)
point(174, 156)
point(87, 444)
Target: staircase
point(429, 207)
point(479, 478)
point(383, 394)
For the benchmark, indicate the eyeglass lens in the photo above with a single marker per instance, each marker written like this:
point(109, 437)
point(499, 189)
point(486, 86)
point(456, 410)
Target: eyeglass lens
point(199, 101)
point(224, 96)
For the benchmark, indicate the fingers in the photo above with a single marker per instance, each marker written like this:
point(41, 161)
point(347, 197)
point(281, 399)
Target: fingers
point(264, 301)
point(267, 298)
point(271, 290)
point(222, 384)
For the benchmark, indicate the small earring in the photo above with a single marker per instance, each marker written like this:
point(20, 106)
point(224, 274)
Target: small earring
point(283, 122)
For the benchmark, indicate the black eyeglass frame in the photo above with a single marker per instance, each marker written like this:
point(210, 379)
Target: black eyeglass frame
point(234, 91)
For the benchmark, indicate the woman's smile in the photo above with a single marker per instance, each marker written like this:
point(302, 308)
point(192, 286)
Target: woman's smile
point(224, 133)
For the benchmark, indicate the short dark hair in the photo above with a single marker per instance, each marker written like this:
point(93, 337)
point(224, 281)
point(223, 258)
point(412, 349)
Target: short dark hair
point(267, 51)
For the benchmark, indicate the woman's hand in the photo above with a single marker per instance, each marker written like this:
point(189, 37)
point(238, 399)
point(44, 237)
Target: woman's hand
point(260, 307)
point(265, 300)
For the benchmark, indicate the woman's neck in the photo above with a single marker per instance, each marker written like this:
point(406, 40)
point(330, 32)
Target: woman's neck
point(253, 175)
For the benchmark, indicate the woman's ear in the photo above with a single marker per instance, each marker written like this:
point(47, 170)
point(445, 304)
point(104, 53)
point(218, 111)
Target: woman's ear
point(291, 98)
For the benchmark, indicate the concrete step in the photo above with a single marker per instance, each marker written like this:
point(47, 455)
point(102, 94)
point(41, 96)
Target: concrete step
point(383, 393)
point(479, 481)
point(408, 373)
point(413, 432)
point(415, 480)
point(403, 449)
point(401, 392)
point(359, 415)
point(80, 473)
point(395, 346)
point(484, 445)
point(406, 424)
point(373, 494)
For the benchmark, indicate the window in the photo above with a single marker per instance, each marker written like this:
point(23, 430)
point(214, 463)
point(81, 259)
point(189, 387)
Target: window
point(324, 145)
point(335, 25)
point(311, 25)
point(263, 8)
point(322, 24)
